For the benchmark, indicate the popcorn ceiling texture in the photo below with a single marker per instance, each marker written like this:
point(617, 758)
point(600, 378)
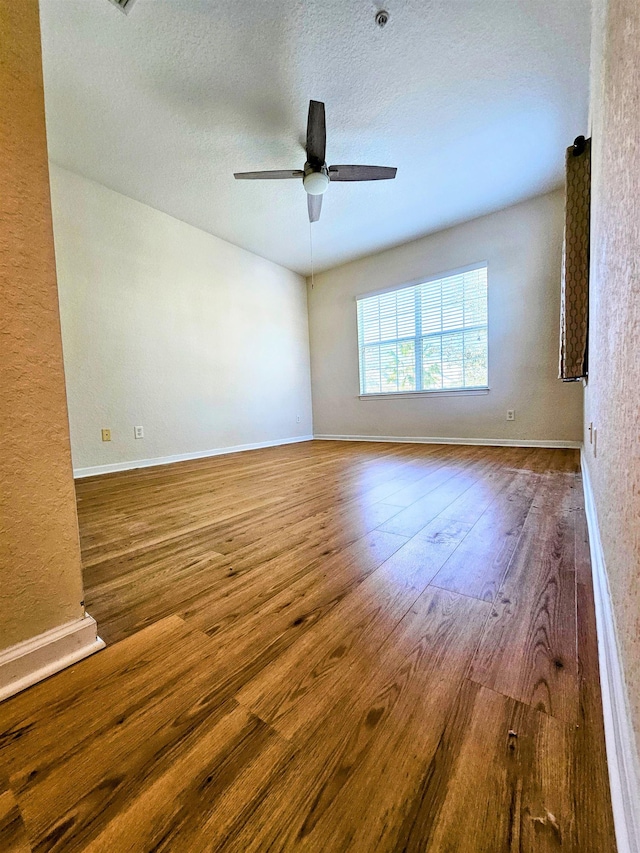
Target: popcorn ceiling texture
point(612, 400)
point(40, 574)
point(473, 100)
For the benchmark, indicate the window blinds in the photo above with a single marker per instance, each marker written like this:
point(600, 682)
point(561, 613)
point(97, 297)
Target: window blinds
point(428, 337)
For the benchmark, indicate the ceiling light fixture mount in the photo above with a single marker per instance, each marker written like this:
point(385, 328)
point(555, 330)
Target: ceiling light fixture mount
point(382, 18)
point(124, 5)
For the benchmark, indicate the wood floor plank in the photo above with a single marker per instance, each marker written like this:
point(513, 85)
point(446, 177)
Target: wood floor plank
point(583, 555)
point(13, 835)
point(291, 634)
point(497, 474)
point(528, 649)
point(436, 476)
point(244, 648)
point(304, 683)
point(98, 773)
point(29, 722)
point(500, 781)
point(160, 518)
point(415, 517)
point(315, 582)
point(351, 780)
point(146, 595)
point(594, 825)
point(479, 565)
point(202, 791)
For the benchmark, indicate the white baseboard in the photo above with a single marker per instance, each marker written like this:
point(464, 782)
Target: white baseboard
point(31, 661)
point(622, 756)
point(182, 457)
point(491, 442)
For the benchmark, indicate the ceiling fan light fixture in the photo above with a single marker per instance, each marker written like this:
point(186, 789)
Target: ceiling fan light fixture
point(316, 175)
point(316, 183)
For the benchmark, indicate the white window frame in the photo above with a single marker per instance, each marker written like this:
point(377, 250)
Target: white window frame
point(469, 391)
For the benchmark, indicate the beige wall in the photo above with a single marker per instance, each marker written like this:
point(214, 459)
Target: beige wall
point(202, 343)
point(612, 399)
point(522, 245)
point(40, 578)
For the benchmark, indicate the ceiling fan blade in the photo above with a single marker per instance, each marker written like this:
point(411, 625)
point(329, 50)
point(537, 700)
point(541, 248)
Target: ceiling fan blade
point(316, 134)
point(314, 206)
point(362, 173)
point(277, 175)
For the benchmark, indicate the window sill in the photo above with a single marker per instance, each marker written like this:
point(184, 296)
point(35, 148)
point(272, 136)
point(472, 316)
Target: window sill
point(407, 395)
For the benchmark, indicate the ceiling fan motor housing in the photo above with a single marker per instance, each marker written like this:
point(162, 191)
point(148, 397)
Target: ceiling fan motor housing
point(316, 181)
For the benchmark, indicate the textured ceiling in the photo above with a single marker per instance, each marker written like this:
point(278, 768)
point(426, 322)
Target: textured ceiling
point(473, 101)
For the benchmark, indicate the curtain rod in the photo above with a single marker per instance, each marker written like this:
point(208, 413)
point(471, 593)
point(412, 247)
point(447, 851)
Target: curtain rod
point(579, 144)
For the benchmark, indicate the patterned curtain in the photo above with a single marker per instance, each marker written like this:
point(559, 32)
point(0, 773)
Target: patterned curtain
point(574, 310)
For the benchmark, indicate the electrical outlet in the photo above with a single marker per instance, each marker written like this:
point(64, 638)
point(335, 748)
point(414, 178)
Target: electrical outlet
point(138, 432)
point(511, 414)
point(298, 419)
point(106, 435)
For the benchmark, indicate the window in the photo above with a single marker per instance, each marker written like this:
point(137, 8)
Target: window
point(431, 336)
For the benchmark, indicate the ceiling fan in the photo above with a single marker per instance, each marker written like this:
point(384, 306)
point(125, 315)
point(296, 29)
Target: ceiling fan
point(316, 175)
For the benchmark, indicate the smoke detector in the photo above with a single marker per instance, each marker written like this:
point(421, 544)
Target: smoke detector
point(123, 5)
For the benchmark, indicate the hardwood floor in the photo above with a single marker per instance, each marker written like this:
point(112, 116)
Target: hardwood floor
point(324, 647)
